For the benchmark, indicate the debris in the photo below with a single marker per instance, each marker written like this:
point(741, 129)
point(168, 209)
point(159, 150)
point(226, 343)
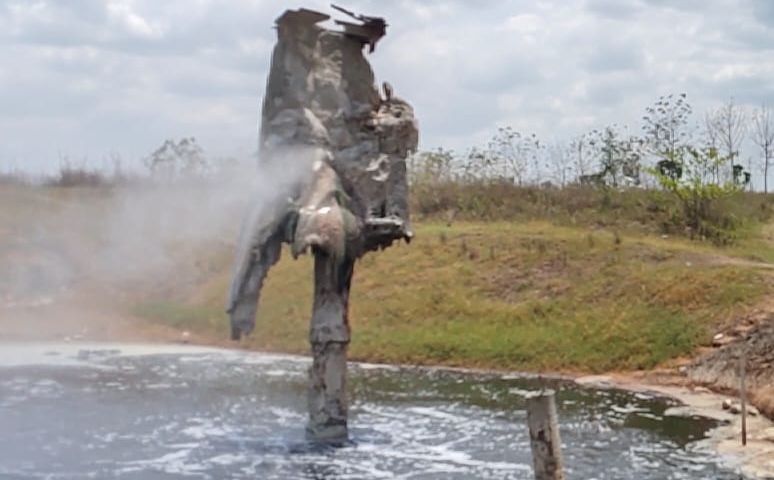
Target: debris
point(368, 31)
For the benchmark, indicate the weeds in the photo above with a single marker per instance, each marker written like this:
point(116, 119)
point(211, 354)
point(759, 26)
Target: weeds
point(542, 299)
point(725, 220)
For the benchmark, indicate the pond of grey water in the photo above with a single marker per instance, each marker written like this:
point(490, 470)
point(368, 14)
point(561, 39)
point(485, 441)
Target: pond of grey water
point(132, 412)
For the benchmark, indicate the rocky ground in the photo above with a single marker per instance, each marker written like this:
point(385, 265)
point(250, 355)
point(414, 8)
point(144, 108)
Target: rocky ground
point(752, 340)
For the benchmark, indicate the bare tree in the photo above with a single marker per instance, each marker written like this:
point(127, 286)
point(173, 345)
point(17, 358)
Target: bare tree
point(665, 126)
point(711, 134)
point(763, 136)
point(515, 153)
point(581, 155)
point(175, 159)
point(730, 124)
point(559, 163)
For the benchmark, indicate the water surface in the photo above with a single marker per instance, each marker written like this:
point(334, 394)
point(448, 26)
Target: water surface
point(123, 412)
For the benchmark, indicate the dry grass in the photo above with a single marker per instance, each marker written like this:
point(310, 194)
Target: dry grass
point(730, 220)
point(589, 294)
point(502, 295)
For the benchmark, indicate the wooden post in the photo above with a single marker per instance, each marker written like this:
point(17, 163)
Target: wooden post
point(743, 391)
point(544, 436)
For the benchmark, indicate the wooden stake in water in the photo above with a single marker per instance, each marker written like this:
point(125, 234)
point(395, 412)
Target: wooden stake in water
point(743, 392)
point(544, 436)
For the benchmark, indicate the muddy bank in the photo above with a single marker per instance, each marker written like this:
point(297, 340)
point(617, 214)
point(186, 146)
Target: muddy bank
point(719, 369)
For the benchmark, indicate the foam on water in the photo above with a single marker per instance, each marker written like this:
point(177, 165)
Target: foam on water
point(117, 411)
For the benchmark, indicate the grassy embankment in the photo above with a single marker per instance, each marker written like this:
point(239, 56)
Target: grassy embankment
point(585, 283)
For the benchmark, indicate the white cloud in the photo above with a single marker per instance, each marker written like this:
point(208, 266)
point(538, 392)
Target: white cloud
point(121, 14)
point(91, 76)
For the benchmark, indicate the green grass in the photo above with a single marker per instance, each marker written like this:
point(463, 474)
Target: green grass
point(533, 279)
point(526, 296)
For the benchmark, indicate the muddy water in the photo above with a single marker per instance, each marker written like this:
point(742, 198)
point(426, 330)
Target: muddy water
point(132, 412)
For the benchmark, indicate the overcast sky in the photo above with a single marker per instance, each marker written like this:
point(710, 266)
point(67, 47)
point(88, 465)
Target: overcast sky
point(86, 78)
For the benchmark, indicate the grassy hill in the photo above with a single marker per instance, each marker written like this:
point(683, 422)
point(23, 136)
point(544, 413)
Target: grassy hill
point(522, 278)
point(527, 296)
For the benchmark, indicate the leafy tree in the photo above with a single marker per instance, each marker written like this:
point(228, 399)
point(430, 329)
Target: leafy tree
point(696, 195)
point(617, 155)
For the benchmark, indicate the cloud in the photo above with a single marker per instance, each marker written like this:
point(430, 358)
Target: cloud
point(763, 12)
point(614, 9)
point(92, 76)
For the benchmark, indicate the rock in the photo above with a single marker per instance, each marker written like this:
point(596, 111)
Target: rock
point(719, 367)
point(717, 340)
point(682, 411)
point(726, 404)
point(768, 434)
point(736, 409)
point(597, 381)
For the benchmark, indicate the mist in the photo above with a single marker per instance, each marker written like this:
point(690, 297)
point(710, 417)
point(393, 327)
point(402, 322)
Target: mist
point(144, 235)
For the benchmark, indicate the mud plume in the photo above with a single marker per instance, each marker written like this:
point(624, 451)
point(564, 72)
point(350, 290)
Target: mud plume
point(323, 115)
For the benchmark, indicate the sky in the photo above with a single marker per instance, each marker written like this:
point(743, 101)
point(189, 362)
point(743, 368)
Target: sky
point(91, 80)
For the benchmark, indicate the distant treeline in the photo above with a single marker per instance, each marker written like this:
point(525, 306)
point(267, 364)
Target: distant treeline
point(667, 144)
point(676, 176)
point(173, 160)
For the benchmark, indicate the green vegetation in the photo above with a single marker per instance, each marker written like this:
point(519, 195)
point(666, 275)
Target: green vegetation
point(726, 217)
point(531, 296)
point(675, 178)
point(582, 257)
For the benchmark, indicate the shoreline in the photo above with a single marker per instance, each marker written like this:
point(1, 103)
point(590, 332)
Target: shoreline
point(754, 461)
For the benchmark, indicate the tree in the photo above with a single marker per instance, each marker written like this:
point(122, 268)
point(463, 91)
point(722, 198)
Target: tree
point(174, 159)
point(618, 156)
point(559, 163)
point(711, 139)
point(763, 137)
point(730, 124)
point(580, 154)
point(696, 195)
point(665, 127)
point(480, 164)
point(515, 152)
point(431, 168)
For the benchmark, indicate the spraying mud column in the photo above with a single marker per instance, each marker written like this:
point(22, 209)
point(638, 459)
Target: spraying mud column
point(334, 150)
